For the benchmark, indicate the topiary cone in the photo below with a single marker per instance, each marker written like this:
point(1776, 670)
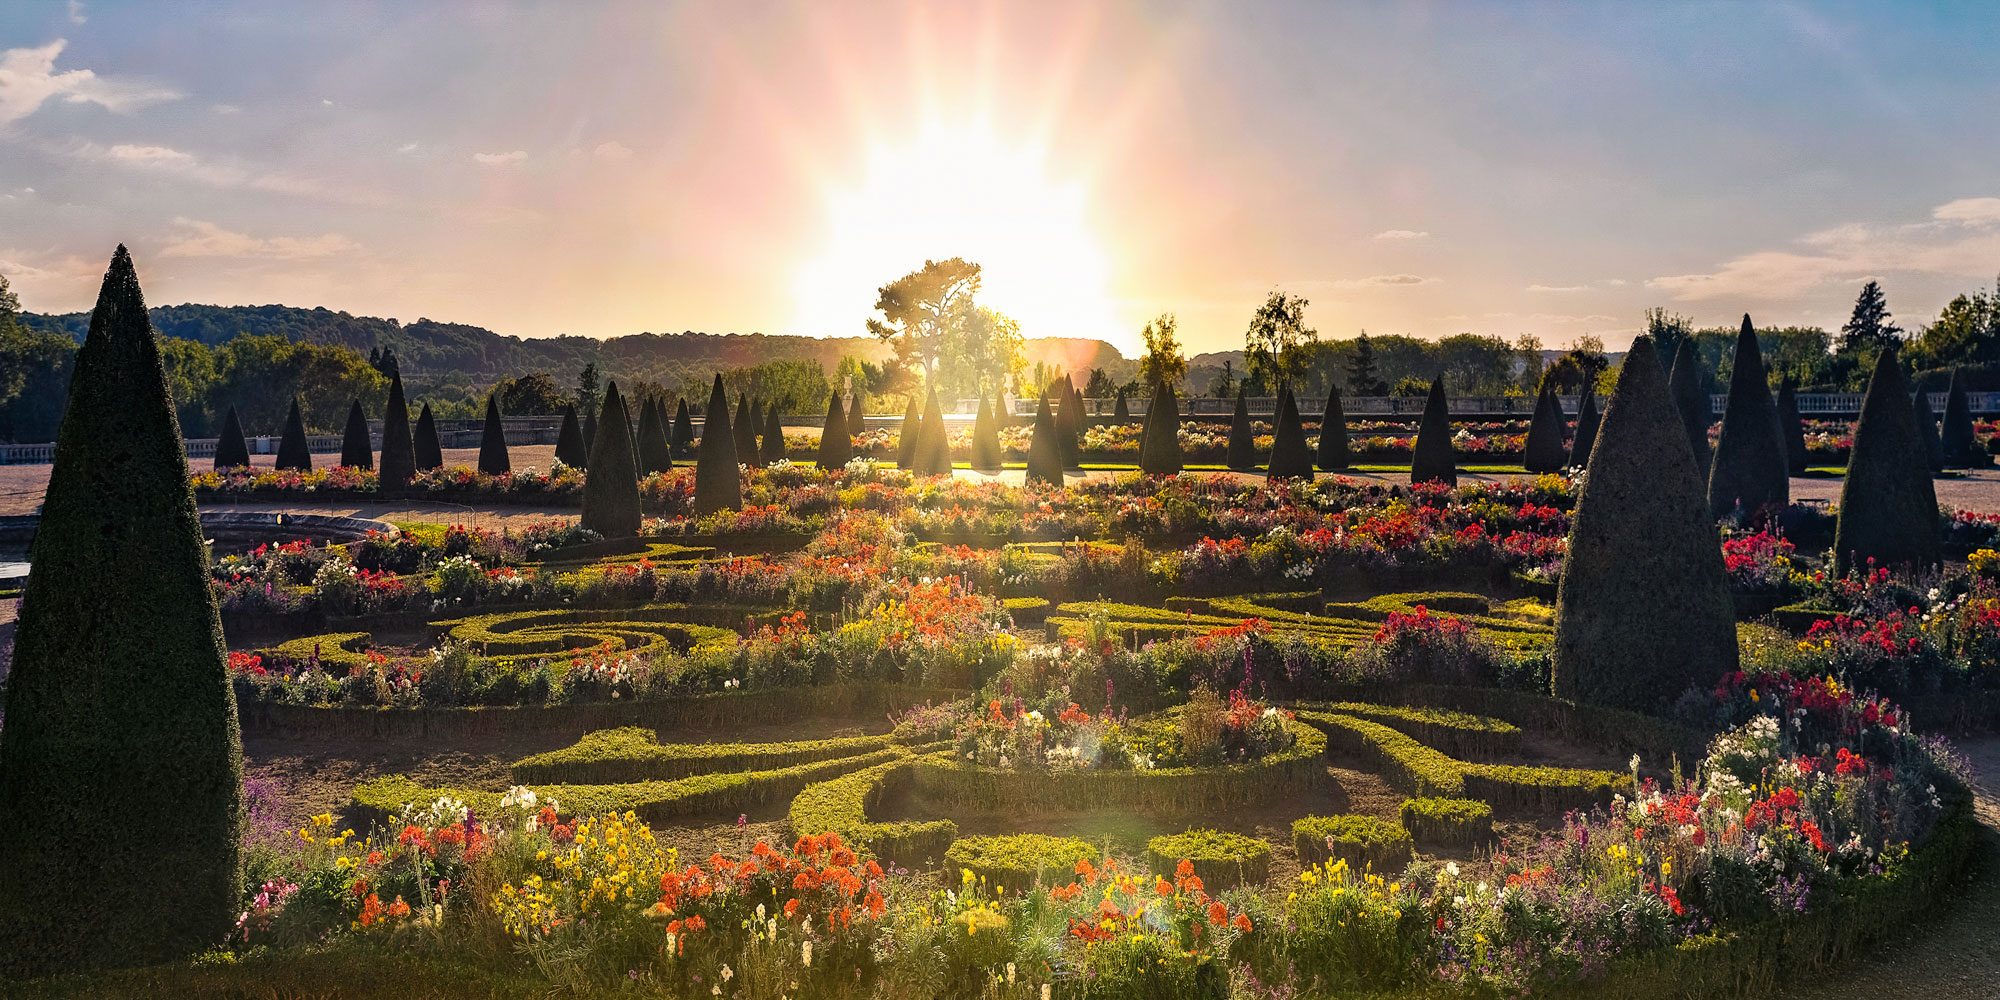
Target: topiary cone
point(1961, 447)
point(231, 450)
point(399, 450)
point(1927, 428)
point(1242, 454)
point(1160, 446)
point(293, 450)
point(1643, 611)
point(424, 442)
point(774, 436)
point(1431, 459)
point(120, 762)
point(1544, 451)
point(356, 451)
point(717, 483)
point(1290, 457)
point(933, 456)
point(1069, 425)
point(570, 449)
point(909, 433)
point(1792, 428)
point(1120, 412)
point(655, 453)
point(1689, 389)
point(611, 490)
point(1888, 504)
point(1332, 454)
point(1587, 423)
point(493, 441)
point(985, 439)
point(682, 441)
point(1044, 455)
point(590, 429)
point(745, 430)
point(1749, 471)
point(836, 447)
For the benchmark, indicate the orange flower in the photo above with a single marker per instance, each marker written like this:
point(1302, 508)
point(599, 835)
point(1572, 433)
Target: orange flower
point(1163, 887)
point(1184, 869)
point(1218, 914)
point(1243, 922)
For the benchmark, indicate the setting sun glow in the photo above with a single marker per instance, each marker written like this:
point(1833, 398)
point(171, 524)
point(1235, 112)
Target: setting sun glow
point(961, 192)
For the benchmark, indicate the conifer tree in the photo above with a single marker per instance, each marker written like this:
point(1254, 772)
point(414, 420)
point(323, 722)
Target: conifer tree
point(120, 761)
point(231, 450)
point(1332, 454)
point(611, 490)
point(1961, 448)
point(1290, 457)
point(1888, 504)
point(1643, 612)
point(655, 454)
point(1749, 471)
point(682, 441)
point(1689, 388)
point(399, 450)
point(1927, 429)
point(1431, 459)
point(774, 436)
point(356, 450)
point(1242, 454)
point(985, 439)
point(745, 429)
point(1044, 455)
point(294, 451)
point(909, 433)
point(425, 441)
point(1791, 427)
point(493, 441)
point(836, 446)
point(570, 449)
point(1544, 451)
point(717, 483)
point(1160, 447)
point(1587, 423)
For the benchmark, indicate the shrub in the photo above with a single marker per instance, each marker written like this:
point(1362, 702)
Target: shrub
point(1888, 504)
point(356, 452)
point(1960, 443)
point(717, 484)
point(1689, 391)
point(1431, 460)
point(1587, 422)
point(399, 455)
point(744, 430)
point(682, 442)
point(293, 451)
point(655, 452)
point(1069, 424)
point(1793, 428)
point(231, 450)
point(836, 445)
point(841, 806)
point(1544, 451)
point(493, 440)
point(1364, 842)
point(933, 457)
point(908, 434)
point(1221, 860)
point(1120, 412)
point(1160, 450)
point(1643, 610)
point(986, 454)
point(1242, 454)
point(774, 435)
point(1290, 457)
point(611, 491)
point(1044, 455)
point(1332, 452)
point(119, 703)
point(633, 753)
point(570, 449)
point(425, 442)
point(1927, 429)
point(1750, 471)
point(1455, 822)
point(1020, 862)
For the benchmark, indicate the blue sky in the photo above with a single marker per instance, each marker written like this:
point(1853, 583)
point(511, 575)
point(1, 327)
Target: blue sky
point(605, 168)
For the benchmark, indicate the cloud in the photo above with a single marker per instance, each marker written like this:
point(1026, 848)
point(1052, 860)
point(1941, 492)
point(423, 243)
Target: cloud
point(129, 153)
point(28, 79)
point(1558, 288)
point(206, 239)
point(612, 152)
point(1961, 239)
point(1385, 281)
point(227, 173)
point(1401, 234)
point(1613, 282)
point(408, 147)
point(76, 12)
point(500, 159)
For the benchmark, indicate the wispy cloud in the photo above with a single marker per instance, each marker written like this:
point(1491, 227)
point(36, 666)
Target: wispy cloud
point(197, 238)
point(1401, 234)
point(28, 79)
point(224, 173)
point(612, 152)
point(1962, 238)
point(76, 15)
point(1558, 288)
point(1971, 211)
point(1385, 281)
point(500, 159)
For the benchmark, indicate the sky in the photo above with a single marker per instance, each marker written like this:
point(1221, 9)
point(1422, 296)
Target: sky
point(605, 168)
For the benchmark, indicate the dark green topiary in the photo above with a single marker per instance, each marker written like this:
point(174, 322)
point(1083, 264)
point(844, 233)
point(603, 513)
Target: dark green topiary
point(1242, 454)
point(1431, 460)
point(1689, 389)
point(1960, 448)
point(425, 441)
point(231, 450)
point(1121, 413)
point(682, 440)
point(1587, 423)
point(293, 450)
point(986, 455)
point(1069, 425)
point(836, 446)
point(1793, 429)
point(717, 483)
point(933, 457)
point(399, 451)
point(493, 441)
point(774, 436)
point(1544, 451)
point(1643, 611)
point(1927, 428)
point(745, 431)
point(356, 451)
point(120, 763)
point(1888, 505)
point(655, 453)
point(611, 490)
point(1044, 455)
point(570, 449)
point(1749, 471)
point(1160, 446)
point(589, 430)
point(909, 433)
point(1290, 456)
point(1332, 455)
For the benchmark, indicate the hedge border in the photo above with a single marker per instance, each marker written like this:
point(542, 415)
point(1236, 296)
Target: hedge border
point(1222, 860)
point(1003, 860)
point(634, 753)
point(1425, 771)
point(1459, 734)
point(1366, 843)
point(841, 806)
point(1450, 822)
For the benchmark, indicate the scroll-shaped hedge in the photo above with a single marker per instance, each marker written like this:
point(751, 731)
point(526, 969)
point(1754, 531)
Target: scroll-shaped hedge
point(842, 805)
point(1425, 771)
point(1458, 734)
point(630, 630)
point(634, 753)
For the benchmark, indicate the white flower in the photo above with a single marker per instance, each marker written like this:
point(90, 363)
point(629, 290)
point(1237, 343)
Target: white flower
point(760, 913)
point(1451, 868)
point(1045, 991)
point(728, 973)
point(806, 953)
point(1010, 973)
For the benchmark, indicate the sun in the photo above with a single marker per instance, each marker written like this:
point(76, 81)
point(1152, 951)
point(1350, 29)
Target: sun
point(958, 191)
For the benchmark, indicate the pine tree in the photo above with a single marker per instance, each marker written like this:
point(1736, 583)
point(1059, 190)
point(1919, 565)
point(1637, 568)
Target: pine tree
point(1643, 612)
point(682, 441)
point(356, 451)
point(231, 450)
point(717, 483)
point(493, 441)
point(1160, 448)
point(1242, 454)
point(1361, 373)
point(655, 454)
point(985, 440)
point(908, 435)
point(294, 451)
point(611, 490)
point(1431, 459)
point(1333, 453)
point(1869, 326)
point(1044, 455)
point(1927, 429)
point(774, 436)
point(1290, 457)
point(745, 429)
point(570, 449)
point(1544, 451)
point(121, 761)
point(1750, 471)
point(425, 441)
point(1689, 388)
point(399, 450)
point(1960, 440)
point(1888, 504)
point(1791, 427)
point(836, 447)
point(1587, 424)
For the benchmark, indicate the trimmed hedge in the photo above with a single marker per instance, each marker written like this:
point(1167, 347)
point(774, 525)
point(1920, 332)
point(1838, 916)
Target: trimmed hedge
point(1927, 429)
point(611, 491)
point(356, 451)
point(1431, 459)
point(533, 633)
point(1045, 462)
point(634, 753)
point(1452, 822)
point(1160, 444)
point(774, 435)
point(399, 450)
point(1888, 504)
point(293, 451)
point(743, 430)
point(842, 804)
point(1406, 763)
point(570, 449)
point(424, 440)
point(656, 454)
point(1364, 842)
point(493, 458)
point(1514, 788)
point(1750, 471)
point(1961, 445)
point(1792, 427)
point(231, 450)
point(1018, 862)
point(717, 485)
point(1425, 771)
point(1544, 451)
point(1333, 455)
point(1587, 422)
point(1242, 453)
point(1290, 457)
point(986, 454)
point(1688, 388)
point(1456, 733)
point(1221, 860)
point(836, 445)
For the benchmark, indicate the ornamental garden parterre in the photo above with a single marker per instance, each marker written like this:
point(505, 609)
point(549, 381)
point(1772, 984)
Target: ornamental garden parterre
point(870, 732)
